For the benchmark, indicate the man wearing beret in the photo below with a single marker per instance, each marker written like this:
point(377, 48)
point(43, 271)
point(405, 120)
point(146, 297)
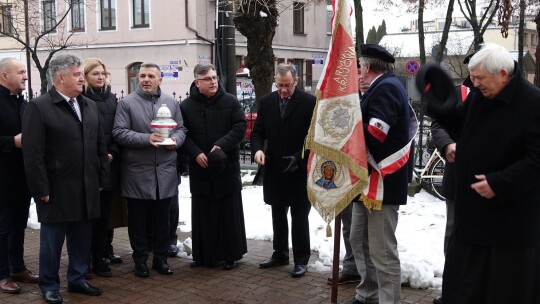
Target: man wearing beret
point(386, 117)
point(217, 126)
point(493, 255)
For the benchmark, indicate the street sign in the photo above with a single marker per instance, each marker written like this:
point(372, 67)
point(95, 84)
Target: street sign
point(412, 67)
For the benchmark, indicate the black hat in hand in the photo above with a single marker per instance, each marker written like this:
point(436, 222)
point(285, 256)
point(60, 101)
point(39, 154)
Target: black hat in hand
point(217, 161)
point(437, 88)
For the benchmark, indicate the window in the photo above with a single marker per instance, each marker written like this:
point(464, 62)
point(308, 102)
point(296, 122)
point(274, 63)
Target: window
point(108, 14)
point(141, 13)
point(298, 17)
point(77, 15)
point(49, 16)
point(132, 71)
point(6, 24)
point(329, 19)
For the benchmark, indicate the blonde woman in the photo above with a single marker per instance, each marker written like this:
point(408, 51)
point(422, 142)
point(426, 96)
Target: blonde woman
point(97, 88)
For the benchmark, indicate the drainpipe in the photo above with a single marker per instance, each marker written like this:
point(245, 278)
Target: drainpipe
point(197, 33)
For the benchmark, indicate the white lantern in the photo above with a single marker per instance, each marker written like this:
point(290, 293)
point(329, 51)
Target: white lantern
point(164, 124)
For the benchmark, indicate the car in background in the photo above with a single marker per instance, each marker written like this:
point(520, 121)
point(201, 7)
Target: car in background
point(250, 110)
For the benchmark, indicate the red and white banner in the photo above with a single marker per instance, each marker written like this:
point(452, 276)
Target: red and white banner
point(337, 166)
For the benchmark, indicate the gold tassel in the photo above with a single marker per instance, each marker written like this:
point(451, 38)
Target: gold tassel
point(328, 230)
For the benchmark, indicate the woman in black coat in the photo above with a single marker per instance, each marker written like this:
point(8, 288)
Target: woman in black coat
point(217, 123)
point(97, 89)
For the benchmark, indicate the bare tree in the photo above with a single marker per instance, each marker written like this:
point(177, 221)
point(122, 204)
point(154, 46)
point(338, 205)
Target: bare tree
point(257, 21)
point(479, 23)
point(46, 28)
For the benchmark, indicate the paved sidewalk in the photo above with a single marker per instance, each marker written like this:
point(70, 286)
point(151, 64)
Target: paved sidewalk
point(246, 284)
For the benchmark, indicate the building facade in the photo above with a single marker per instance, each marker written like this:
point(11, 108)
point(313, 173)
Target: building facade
point(174, 34)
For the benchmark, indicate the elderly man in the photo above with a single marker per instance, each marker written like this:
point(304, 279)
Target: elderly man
point(14, 194)
point(493, 255)
point(149, 174)
point(66, 164)
point(387, 117)
point(214, 174)
point(283, 121)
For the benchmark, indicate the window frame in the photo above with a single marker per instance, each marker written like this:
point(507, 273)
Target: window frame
point(144, 23)
point(298, 17)
point(6, 19)
point(49, 22)
point(77, 24)
point(111, 21)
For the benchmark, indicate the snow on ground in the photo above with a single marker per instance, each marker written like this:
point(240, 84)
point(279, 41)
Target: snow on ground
point(420, 232)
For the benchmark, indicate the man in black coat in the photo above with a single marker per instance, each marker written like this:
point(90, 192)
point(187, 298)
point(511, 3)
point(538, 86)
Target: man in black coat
point(494, 252)
point(14, 194)
point(216, 125)
point(66, 166)
point(283, 121)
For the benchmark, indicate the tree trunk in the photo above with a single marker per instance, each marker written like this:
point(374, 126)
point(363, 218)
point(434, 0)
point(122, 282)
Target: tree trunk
point(537, 69)
point(421, 35)
point(259, 32)
point(522, 6)
point(446, 30)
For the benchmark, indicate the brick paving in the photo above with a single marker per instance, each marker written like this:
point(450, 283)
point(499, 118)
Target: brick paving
point(246, 284)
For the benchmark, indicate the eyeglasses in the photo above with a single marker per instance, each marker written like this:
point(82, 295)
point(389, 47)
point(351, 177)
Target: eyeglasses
point(208, 79)
point(284, 85)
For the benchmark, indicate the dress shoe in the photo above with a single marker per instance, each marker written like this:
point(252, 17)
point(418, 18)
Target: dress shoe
point(172, 251)
point(273, 262)
point(438, 300)
point(162, 267)
point(299, 271)
point(85, 289)
point(101, 269)
point(114, 259)
point(141, 270)
point(7, 286)
point(353, 301)
point(25, 276)
point(345, 278)
point(52, 297)
point(230, 265)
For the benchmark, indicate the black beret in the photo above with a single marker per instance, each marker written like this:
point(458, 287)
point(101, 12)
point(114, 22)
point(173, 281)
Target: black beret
point(217, 161)
point(436, 87)
point(376, 51)
point(468, 58)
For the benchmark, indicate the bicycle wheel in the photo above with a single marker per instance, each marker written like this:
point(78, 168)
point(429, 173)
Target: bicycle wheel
point(434, 183)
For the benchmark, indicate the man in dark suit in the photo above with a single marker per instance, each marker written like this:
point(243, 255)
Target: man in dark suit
point(283, 120)
point(493, 255)
point(14, 195)
point(66, 163)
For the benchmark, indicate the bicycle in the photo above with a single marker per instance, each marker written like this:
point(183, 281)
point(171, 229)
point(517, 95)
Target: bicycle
point(430, 175)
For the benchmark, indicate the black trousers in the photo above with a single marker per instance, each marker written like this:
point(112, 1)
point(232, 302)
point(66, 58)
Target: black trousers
point(141, 214)
point(13, 219)
point(173, 218)
point(77, 236)
point(299, 232)
point(101, 227)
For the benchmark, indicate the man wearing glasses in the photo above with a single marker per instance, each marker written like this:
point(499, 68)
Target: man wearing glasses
point(217, 125)
point(283, 120)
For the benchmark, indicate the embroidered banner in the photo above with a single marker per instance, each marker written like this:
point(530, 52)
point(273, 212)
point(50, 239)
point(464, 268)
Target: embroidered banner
point(337, 166)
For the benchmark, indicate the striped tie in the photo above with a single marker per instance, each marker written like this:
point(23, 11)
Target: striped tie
point(72, 104)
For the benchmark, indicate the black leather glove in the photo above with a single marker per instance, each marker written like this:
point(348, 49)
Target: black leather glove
point(290, 164)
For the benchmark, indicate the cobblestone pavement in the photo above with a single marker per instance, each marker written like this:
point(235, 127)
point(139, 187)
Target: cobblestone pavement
point(246, 284)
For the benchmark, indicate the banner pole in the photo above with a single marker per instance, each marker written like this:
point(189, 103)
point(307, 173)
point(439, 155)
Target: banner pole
point(335, 263)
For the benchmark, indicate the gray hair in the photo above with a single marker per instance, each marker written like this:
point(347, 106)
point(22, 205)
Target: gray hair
point(283, 68)
point(492, 58)
point(376, 65)
point(150, 65)
point(202, 68)
point(7, 63)
point(60, 64)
